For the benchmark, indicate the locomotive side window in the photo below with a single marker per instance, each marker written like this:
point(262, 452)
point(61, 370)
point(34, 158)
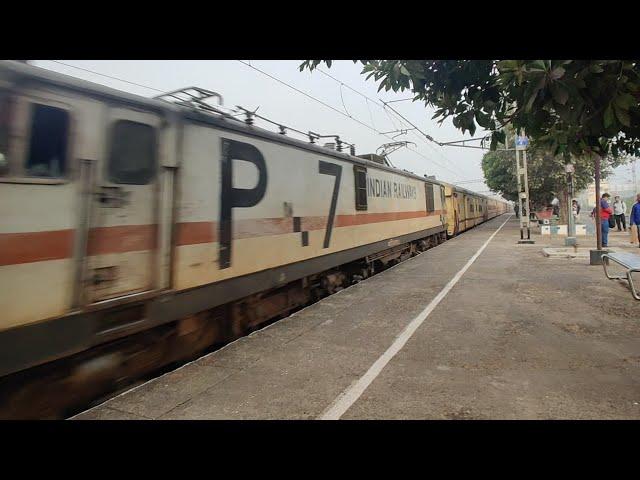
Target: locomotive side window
point(133, 153)
point(47, 154)
point(360, 175)
point(429, 194)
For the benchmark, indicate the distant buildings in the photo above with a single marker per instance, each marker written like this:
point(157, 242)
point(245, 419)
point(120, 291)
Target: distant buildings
point(588, 196)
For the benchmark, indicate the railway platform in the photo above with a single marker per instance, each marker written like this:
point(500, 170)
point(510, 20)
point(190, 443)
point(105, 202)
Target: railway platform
point(476, 328)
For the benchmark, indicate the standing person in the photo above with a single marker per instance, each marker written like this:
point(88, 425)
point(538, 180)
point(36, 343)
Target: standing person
point(619, 211)
point(605, 212)
point(515, 209)
point(555, 203)
point(634, 218)
point(575, 209)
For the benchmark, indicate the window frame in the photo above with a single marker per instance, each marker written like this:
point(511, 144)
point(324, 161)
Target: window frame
point(429, 197)
point(356, 170)
point(28, 141)
point(156, 152)
point(19, 140)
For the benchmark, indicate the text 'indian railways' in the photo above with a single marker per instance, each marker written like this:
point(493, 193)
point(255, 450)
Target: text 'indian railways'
point(389, 189)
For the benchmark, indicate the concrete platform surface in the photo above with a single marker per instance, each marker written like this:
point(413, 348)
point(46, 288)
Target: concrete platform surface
point(519, 336)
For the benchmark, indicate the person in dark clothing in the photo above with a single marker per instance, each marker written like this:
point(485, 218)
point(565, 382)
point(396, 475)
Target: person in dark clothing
point(516, 207)
point(634, 218)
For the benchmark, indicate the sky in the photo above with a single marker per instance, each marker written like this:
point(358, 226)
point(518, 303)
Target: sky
point(240, 84)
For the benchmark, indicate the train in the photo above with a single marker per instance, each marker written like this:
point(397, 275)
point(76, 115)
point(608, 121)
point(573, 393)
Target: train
point(137, 232)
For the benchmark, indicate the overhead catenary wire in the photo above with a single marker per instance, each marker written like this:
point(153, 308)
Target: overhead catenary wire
point(344, 114)
point(372, 128)
point(107, 76)
point(276, 79)
point(370, 114)
point(343, 105)
point(385, 106)
point(470, 181)
point(349, 87)
point(307, 95)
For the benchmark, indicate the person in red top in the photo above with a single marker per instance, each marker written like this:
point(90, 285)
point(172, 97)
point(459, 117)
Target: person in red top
point(605, 212)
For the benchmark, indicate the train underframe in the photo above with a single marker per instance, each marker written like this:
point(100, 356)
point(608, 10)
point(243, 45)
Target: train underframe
point(64, 387)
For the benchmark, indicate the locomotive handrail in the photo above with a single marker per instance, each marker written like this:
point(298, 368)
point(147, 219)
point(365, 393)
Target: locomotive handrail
point(203, 95)
point(196, 97)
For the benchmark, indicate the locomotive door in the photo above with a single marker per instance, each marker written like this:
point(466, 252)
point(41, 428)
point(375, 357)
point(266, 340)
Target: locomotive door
point(122, 240)
point(456, 213)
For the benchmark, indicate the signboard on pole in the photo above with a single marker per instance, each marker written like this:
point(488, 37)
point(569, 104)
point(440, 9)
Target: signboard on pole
point(522, 143)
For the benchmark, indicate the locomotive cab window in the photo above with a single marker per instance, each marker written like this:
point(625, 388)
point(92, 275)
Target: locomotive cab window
point(360, 175)
point(428, 188)
point(133, 154)
point(48, 143)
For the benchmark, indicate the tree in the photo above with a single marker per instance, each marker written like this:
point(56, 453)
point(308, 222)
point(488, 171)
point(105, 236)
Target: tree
point(546, 174)
point(569, 107)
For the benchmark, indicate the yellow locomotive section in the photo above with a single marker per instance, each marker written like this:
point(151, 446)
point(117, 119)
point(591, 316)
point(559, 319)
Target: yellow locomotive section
point(466, 209)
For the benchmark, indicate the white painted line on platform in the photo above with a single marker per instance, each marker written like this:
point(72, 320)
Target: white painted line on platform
point(348, 397)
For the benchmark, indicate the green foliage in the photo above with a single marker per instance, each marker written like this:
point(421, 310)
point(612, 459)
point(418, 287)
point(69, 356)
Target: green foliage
point(570, 107)
point(546, 173)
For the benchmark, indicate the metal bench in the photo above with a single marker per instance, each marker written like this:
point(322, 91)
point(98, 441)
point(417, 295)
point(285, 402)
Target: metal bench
point(630, 261)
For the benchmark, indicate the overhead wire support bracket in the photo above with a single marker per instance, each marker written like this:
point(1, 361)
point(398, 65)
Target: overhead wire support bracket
point(400, 100)
point(403, 131)
point(388, 148)
point(428, 137)
point(462, 143)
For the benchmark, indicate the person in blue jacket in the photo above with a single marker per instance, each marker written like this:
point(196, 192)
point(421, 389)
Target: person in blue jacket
point(634, 218)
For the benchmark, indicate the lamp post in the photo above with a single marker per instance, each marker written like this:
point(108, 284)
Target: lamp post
point(570, 241)
point(522, 143)
point(595, 256)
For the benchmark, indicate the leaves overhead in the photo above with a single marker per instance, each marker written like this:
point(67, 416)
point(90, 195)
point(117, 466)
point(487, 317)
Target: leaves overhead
point(569, 107)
